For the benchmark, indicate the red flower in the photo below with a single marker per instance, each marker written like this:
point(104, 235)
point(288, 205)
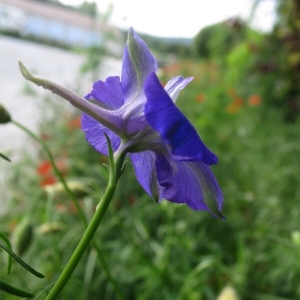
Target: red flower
point(254, 100)
point(44, 168)
point(45, 171)
point(47, 180)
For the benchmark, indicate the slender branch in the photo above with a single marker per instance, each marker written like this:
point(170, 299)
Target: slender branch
point(73, 198)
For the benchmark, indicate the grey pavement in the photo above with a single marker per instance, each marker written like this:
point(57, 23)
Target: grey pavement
point(55, 64)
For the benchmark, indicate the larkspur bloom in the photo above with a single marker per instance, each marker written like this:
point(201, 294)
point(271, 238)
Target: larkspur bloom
point(140, 117)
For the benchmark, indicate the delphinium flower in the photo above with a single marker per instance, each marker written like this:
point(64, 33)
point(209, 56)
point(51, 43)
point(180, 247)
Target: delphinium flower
point(170, 160)
point(140, 117)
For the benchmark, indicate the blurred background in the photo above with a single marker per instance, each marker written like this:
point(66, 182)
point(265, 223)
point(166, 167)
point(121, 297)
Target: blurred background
point(244, 101)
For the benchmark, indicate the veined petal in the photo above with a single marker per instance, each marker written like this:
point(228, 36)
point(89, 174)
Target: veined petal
point(109, 94)
point(176, 84)
point(94, 133)
point(192, 183)
point(174, 128)
point(144, 167)
point(138, 63)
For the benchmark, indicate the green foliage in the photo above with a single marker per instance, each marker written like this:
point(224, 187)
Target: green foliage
point(167, 251)
point(218, 39)
point(14, 291)
point(280, 67)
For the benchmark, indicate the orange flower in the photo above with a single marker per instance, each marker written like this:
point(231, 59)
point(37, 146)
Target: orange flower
point(254, 100)
point(232, 93)
point(75, 123)
point(171, 69)
point(200, 98)
point(235, 106)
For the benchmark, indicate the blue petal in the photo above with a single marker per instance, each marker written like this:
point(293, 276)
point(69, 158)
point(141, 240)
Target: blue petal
point(174, 128)
point(192, 183)
point(138, 63)
point(94, 133)
point(109, 94)
point(144, 167)
point(176, 84)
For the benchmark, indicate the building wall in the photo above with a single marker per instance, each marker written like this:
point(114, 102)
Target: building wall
point(47, 21)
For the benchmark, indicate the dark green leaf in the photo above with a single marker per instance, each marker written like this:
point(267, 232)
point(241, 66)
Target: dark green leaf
point(7, 242)
point(13, 290)
point(5, 157)
point(20, 261)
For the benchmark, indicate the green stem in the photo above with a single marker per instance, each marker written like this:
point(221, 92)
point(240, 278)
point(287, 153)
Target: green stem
point(56, 171)
point(71, 195)
point(85, 240)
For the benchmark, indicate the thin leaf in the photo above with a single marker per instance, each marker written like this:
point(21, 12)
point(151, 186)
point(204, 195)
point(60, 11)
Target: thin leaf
point(14, 291)
point(7, 242)
point(106, 166)
point(123, 168)
point(110, 153)
point(21, 262)
point(5, 157)
point(96, 188)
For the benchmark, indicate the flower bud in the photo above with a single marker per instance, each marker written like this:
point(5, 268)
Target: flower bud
point(52, 227)
point(22, 236)
point(78, 188)
point(228, 293)
point(4, 115)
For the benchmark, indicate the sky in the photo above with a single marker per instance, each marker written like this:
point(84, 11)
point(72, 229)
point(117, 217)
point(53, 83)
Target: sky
point(171, 18)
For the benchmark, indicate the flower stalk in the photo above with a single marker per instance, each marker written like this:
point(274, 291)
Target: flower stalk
point(88, 235)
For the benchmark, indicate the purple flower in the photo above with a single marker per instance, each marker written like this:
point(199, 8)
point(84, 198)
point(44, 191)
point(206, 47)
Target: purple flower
point(140, 116)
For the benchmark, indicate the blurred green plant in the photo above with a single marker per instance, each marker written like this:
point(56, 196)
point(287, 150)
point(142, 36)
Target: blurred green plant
point(217, 40)
point(240, 107)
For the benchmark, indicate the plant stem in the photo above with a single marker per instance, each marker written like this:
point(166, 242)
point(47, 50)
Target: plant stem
point(56, 171)
point(82, 216)
point(85, 240)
